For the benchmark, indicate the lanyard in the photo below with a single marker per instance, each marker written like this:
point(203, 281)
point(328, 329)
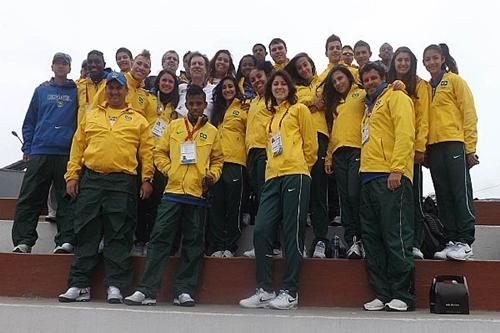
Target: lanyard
point(191, 133)
point(281, 120)
point(86, 94)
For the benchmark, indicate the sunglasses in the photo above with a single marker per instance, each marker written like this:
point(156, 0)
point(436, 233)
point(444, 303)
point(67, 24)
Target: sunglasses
point(347, 54)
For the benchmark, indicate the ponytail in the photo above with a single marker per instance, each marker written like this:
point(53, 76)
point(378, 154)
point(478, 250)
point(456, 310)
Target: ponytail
point(449, 61)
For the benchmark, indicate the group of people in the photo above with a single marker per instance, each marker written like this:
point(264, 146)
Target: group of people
point(166, 160)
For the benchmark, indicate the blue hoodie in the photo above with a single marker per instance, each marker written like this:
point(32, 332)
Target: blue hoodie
point(50, 122)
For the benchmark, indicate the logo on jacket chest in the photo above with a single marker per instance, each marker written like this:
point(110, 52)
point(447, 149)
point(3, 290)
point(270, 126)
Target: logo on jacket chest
point(59, 99)
point(203, 136)
point(140, 100)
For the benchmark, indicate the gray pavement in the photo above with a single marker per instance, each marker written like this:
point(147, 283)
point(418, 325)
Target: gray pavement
point(19, 315)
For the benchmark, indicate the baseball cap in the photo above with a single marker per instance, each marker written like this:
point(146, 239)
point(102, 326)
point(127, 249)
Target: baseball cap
point(119, 77)
point(62, 56)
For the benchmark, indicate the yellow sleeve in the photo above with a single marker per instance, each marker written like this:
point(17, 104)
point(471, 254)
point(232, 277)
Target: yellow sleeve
point(161, 152)
point(309, 136)
point(465, 103)
point(305, 95)
point(216, 159)
point(100, 96)
point(146, 153)
point(78, 146)
point(150, 109)
point(403, 120)
point(422, 106)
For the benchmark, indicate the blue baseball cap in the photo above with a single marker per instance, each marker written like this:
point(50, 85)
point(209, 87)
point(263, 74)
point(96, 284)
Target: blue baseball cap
point(119, 77)
point(62, 56)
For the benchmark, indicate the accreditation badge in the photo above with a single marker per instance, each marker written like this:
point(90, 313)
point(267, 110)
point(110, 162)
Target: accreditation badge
point(159, 128)
point(188, 152)
point(365, 134)
point(276, 144)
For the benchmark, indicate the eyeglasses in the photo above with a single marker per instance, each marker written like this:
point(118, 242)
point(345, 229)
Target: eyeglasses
point(348, 54)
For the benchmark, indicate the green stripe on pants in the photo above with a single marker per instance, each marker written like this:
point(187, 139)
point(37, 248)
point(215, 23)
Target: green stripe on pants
point(453, 186)
point(106, 207)
point(387, 237)
point(346, 171)
point(172, 217)
point(224, 220)
point(319, 190)
point(284, 200)
point(41, 172)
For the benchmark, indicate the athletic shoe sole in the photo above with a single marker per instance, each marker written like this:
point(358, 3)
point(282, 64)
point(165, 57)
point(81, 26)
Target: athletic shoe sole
point(71, 300)
point(145, 302)
point(187, 304)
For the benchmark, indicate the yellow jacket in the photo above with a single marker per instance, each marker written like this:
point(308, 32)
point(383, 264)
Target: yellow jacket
point(138, 98)
point(391, 127)
point(452, 115)
point(258, 118)
point(87, 90)
point(104, 148)
point(232, 134)
point(307, 96)
point(346, 130)
point(164, 116)
point(187, 178)
point(299, 140)
point(421, 104)
point(354, 71)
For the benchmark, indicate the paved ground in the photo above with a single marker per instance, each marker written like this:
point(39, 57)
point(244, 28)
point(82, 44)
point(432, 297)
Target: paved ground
point(19, 315)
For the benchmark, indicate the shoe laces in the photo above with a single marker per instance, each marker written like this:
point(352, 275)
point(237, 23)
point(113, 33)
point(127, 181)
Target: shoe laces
point(283, 294)
point(320, 245)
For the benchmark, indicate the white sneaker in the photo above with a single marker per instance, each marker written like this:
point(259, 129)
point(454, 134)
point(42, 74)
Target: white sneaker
point(66, 248)
point(277, 253)
point(260, 299)
point(75, 294)
point(441, 255)
point(417, 254)
point(461, 251)
point(217, 254)
point(356, 251)
point(184, 299)
point(227, 254)
point(284, 301)
point(114, 295)
point(249, 253)
point(22, 248)
point(375, 305)
point(138, 249)
point(138, 298)
point(319, 250)
point(396, 305)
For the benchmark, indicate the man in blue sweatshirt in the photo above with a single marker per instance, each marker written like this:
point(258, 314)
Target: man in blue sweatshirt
point(47, 131)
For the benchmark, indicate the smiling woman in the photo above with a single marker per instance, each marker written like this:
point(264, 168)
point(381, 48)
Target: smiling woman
point(291, 152)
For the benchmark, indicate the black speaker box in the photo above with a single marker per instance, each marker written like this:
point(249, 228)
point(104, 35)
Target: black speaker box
point(449, 294)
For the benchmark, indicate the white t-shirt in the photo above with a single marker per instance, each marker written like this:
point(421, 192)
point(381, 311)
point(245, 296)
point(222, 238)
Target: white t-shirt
point(181, 107)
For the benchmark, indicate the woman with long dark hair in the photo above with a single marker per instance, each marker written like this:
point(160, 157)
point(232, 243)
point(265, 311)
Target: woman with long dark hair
point(230, 117)
point(291, 152)
point(451, 150)
point(344, 105)
point(303, 72)
point(403, 67)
